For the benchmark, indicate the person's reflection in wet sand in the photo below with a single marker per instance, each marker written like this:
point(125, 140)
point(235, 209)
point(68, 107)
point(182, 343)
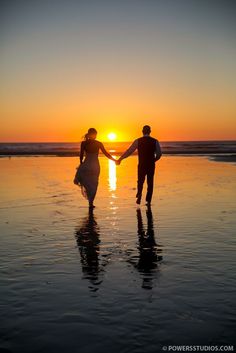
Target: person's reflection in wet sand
point(149, 259)
point(87, 237)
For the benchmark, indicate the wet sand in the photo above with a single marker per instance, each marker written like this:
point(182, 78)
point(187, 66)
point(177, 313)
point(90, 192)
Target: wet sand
point(123, 278)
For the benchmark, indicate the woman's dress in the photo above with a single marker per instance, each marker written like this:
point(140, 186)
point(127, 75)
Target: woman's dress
point(88, 172)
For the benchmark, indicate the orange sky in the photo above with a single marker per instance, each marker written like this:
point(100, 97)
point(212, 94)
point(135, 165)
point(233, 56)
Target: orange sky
point(116, 68)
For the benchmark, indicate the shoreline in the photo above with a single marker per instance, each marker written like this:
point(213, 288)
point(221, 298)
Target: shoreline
point(225, 158)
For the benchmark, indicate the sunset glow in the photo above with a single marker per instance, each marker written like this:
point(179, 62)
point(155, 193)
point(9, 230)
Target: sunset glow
point(72, 65)
point(111, 136)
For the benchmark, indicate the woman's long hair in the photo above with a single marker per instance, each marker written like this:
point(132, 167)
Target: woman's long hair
point(90, 132)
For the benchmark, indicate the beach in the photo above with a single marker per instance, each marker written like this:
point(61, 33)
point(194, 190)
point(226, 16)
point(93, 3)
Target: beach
point(121, 278)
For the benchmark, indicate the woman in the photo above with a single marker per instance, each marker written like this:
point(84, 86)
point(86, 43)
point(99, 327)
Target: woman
point(88, 172)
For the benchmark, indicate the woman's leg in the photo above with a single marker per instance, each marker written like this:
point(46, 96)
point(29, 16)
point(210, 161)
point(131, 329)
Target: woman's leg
point(92, 192)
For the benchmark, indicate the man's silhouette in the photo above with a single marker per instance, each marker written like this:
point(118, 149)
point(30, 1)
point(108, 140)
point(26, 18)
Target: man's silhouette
point(149, 151)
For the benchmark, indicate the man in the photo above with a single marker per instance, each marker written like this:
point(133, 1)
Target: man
point(149, 151)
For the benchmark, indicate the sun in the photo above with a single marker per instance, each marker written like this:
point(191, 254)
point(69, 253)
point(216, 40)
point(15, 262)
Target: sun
point(111, 136)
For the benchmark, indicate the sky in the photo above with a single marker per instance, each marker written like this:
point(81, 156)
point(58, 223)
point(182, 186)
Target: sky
point(68, 65)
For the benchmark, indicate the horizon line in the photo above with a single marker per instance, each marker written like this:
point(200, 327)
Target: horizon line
point(113, 142)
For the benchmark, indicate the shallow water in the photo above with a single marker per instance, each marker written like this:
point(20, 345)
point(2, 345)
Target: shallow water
point(122, 278)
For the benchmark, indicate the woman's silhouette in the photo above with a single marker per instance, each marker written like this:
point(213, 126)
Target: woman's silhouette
point(88, 172)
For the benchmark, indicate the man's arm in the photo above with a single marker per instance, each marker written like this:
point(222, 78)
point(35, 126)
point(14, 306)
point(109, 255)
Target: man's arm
point(158, 152)
point(129, 151)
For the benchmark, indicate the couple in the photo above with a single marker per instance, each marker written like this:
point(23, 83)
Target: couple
point(87, 174)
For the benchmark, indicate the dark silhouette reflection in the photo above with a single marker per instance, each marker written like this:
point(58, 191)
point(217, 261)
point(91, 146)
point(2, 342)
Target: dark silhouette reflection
point(148, 262)
point(87, 237)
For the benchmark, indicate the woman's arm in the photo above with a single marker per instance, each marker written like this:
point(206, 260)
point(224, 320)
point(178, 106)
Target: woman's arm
point(81, 155)
point(158, 152)
point(106, 153)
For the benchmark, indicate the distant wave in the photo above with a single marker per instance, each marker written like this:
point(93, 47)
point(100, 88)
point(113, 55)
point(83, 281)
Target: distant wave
point(72, 148)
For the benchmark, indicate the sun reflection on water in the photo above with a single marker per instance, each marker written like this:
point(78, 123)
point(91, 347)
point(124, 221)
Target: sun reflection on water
point(112, 175)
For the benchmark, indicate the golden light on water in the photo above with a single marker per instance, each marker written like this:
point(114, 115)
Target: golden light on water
point(112, 175)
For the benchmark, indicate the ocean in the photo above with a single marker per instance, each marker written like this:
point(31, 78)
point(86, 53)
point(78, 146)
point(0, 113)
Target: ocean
point(72, 148)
